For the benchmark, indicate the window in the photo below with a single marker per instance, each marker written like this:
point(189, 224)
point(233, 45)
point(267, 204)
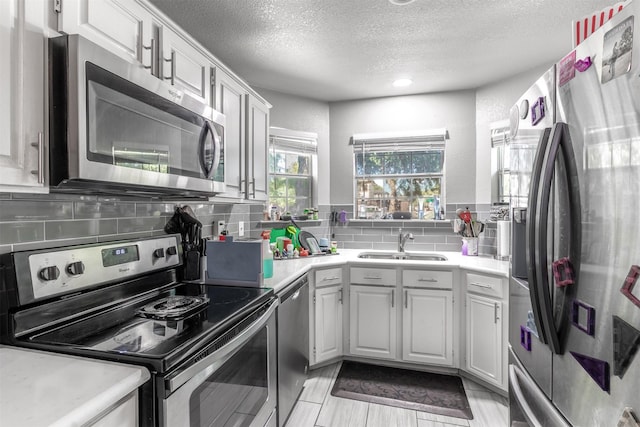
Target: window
point(292, 169)
point(500, 162)
point(401, 172)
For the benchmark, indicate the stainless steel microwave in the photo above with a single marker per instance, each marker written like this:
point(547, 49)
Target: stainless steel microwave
point(115, 128)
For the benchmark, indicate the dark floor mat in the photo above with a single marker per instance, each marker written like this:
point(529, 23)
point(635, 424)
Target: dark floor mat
point(421, 391)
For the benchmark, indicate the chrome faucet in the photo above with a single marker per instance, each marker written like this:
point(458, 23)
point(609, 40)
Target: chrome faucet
point(402, 239)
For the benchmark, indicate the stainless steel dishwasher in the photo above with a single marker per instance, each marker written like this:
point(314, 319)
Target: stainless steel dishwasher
point(293, 345)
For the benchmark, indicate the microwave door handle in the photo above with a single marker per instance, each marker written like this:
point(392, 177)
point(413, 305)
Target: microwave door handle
point(204, 146)
point(541, 237)
point(531, 228)
point(217, 146)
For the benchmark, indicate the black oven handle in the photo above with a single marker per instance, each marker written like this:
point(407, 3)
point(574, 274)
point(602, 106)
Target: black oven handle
point(222, 354)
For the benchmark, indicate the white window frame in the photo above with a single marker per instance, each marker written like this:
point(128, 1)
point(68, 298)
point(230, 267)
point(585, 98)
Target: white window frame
point(396, 142)
point(288, 140)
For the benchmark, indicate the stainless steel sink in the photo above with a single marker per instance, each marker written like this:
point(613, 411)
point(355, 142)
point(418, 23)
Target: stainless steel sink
point(412, 256)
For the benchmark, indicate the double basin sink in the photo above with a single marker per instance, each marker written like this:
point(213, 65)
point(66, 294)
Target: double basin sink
point(411, 256)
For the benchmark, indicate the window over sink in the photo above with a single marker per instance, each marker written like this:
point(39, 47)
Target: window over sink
point(399, 175)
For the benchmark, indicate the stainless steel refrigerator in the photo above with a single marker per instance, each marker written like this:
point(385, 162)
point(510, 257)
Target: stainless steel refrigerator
point(575, 189)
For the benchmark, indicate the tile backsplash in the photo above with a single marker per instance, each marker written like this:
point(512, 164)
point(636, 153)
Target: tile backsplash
point(32, 221)
point(428, 235)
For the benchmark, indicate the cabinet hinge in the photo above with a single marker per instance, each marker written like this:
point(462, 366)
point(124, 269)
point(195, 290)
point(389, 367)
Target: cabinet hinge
point(314, 299)
point(314, 351)
point(57, 6)
point(213, 77)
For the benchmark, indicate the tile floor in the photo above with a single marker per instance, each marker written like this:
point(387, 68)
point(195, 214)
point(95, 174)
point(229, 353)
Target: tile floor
point(316, 407)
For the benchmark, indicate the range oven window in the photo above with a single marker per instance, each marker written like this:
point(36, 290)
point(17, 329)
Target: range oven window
point(130, 126)
point(235, 392)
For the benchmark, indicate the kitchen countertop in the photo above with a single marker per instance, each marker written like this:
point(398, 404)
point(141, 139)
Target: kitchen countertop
point(286, 271)
point(47, 389)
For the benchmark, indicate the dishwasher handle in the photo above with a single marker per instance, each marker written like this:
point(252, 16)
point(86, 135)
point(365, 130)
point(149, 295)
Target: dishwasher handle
point(293, 292)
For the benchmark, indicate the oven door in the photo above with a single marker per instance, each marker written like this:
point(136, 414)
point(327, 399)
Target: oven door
point(234, 385)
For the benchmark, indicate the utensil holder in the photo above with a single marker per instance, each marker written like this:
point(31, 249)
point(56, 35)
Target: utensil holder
point(470, 246)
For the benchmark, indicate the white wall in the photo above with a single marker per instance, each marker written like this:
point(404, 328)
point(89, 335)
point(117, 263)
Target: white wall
point(454, 111)
point(309, 115)
point(493, 103)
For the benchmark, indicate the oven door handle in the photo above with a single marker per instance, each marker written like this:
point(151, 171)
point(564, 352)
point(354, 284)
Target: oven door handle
point(222, 354)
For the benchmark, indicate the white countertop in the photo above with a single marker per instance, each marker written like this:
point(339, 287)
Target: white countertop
point(46, 389)
point(285, 271)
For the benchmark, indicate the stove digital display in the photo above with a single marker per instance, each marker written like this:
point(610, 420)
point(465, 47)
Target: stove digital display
point(121, 255)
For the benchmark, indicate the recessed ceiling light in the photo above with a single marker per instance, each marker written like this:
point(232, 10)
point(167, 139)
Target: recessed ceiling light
point(401, 2)
point(402, 82)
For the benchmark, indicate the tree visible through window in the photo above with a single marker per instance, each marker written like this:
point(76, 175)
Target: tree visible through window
point(399, 175)
point(292, 160)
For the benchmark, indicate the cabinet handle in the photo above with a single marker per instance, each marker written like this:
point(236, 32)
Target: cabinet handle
point(253, 187)
point(40, 147)
point(340, 300)
point(495, 312)
point(172, 77)
point(406, 299)
point(153, 50)
point(393, 298)
point(430, 280)
point(330, 278)
point(373, 277)
point(481, 285)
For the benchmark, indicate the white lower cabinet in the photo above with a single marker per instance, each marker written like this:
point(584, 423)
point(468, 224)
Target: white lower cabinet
point(373, 314)
point(484, 354)
point(427, 326)
point(328, 323)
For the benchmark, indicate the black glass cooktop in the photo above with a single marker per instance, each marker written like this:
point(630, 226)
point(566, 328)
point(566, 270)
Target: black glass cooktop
point(123, 334)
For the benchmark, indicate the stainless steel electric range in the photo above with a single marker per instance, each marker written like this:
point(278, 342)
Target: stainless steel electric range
point(210, 349)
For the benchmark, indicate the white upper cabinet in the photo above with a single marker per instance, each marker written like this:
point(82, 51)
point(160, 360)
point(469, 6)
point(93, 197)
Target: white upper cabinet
point(184, 66)
point(230, 98)
point(257, 186)
point(22, 100)
point(121, 26)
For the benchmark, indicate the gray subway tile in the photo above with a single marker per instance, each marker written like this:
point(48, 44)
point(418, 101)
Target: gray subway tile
point(21, 232)
point(420, 247)
point(25, 210)
point(155, 209)
point(367, 238)
point(448, 247)
point(87, 210)
point(47, 244)
point(355, 245)
point(133, 225)
point(432, 238)
point(55, 230)
point(115, 237)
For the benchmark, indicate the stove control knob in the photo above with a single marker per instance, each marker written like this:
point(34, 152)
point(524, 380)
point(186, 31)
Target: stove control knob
point(49, 273)
point(158, 253)
point(75, 268)
point(172, 250)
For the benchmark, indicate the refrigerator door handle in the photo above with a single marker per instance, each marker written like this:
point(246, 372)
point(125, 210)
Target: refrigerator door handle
point(531, 227)
point(560, 141)
point(521, 387)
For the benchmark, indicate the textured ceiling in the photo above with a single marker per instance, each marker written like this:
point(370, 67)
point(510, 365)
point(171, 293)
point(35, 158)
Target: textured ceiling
point(337, 50)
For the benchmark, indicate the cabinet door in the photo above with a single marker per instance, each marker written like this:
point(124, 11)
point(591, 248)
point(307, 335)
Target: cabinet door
point(373, 321)
point(121, 26)
point(484, 338)
point(328, 323)
point(230, 101)
point(257, 148)
point(22, 77)
point(184, 66)
point(427, 326)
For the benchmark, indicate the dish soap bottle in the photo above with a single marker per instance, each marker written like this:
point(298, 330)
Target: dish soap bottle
point(267, 256)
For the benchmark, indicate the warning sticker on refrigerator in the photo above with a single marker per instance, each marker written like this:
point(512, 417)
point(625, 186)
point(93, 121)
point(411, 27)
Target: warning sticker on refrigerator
point(566, 70)
point(616, 50)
